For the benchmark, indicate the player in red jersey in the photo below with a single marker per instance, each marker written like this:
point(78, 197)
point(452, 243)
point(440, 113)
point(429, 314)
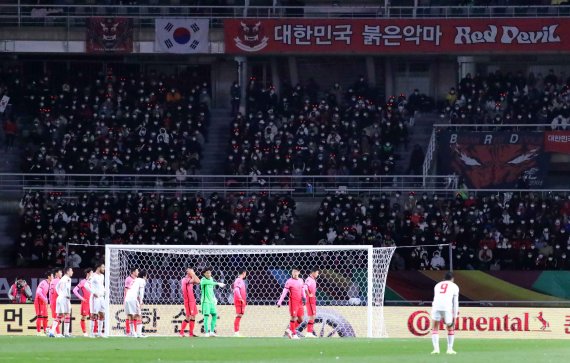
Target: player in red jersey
point(41, 303)
point(187, 285)
point(83, 294)
point(310, 291)
point(240, 296)
point(57, 273)
point(294, 286)
point(128, 283)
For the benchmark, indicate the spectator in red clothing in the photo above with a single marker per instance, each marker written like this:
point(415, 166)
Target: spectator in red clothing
point(10, 131)
point(20, 292)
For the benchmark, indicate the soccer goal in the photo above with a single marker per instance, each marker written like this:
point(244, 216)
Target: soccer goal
point(350, 289)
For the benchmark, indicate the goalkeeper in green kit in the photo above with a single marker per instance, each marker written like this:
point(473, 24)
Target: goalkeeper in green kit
point(209, 302)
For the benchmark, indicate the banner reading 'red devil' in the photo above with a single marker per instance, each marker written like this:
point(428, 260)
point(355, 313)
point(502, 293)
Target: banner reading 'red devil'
point(397, 36)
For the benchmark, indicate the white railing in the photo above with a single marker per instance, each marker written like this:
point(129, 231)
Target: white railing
point(302, 185)
point(295, 186)
point(499, 127)
point(429, 157)
point(74, 15)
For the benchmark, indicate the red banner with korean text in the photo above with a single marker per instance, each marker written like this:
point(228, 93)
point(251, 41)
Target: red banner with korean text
point(396, 36)
point(557, 142)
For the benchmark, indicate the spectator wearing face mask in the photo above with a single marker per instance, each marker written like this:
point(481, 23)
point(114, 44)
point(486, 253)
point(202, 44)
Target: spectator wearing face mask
point(74, 259)
point(437, 262)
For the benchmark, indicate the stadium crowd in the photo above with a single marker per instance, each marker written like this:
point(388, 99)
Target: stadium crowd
point(302, 131)
point(510, 98)
point(49, 222)
point(113, 123)
point(504, 231)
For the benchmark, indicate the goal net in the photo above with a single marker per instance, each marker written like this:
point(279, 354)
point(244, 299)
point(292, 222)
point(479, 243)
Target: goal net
point(350, 288)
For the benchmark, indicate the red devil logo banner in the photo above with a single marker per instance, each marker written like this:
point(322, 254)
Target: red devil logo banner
point(489, 160)
point(109, 35)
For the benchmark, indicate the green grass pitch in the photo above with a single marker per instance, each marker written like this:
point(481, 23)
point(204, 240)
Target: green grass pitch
point(165, 350)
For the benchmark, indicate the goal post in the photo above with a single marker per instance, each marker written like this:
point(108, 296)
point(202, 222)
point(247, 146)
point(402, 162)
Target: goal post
point(350, 290)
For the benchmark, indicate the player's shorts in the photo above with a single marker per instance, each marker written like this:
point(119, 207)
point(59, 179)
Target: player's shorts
point(85, 308)
point(132, 307)
point(63, 306)
point(240, 306)
point(445, 315)
point(52, 304)
point(311, 308)
point(97, 305)
point(296, 310)
point(209, 309)
point(190, 307)
point(41, 307)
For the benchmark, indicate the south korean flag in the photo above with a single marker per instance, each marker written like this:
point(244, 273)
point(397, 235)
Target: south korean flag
point(181, 35)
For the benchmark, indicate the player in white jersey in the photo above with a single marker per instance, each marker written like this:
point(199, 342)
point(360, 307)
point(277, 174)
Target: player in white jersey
point(97, 304)
point(63, 303)
point(445, 307)
point(133, 303)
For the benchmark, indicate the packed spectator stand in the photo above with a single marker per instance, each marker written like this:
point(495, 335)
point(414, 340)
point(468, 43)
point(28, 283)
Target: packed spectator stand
point(498, 231)
point(501, 231)
point(49, 222)
point(509, 98)
point(302, 131)
point(153, 124)
point(115, 123)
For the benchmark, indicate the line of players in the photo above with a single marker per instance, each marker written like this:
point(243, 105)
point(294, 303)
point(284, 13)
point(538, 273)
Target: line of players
point(295, 287)
point(55, 290)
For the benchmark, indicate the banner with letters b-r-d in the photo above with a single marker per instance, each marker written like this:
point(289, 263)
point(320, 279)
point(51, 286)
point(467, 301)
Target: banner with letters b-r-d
point(489, 160)
point(181, 36)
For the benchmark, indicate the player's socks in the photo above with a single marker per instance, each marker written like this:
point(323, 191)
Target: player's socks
point(183, 327)
point(214, 321)
point(55, 326)
point(128, 326)
point(435, 339)
point(67, 325)
point(310, 325)
point(292, 326)
point(191, 327)
point(95, 326)
point(206, 323)
point(100, 327)
point(236, 324)
point(450, 338)
point(82, 323)
point(38, 324)
point(134, 326)
point(92, 326)
point(139, 328)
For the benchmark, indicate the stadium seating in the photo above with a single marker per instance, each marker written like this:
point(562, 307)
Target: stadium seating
point(522, 231)
point(112, 123)
point(50, 221)
point(302, 132)
point(512, 98)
